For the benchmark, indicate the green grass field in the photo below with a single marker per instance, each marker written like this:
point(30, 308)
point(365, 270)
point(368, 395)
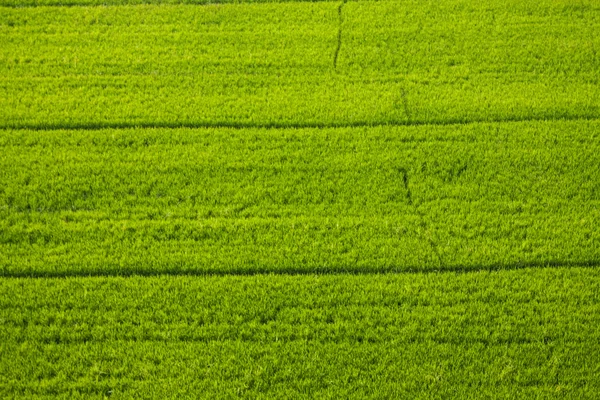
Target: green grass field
point(257, 199)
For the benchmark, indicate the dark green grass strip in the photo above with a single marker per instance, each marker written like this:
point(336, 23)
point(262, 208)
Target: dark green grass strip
point(531, 333)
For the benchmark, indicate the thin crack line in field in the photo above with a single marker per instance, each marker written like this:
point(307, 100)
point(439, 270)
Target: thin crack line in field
point(423, 224)
point(405, 103)
point(339, 35)
point(459, 269)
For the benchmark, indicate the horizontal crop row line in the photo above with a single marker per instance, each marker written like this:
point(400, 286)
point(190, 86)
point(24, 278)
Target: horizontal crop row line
point(363, 271)
point(49, 126)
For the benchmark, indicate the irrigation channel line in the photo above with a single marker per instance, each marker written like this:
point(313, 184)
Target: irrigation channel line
point(592, 264)
point(339, 35)
point(91, 126)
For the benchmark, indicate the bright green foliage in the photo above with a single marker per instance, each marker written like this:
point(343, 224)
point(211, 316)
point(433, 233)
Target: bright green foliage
point(256, 199)
point(528, 334)
point(211, 3)
point(273, 64)
point(344, 199)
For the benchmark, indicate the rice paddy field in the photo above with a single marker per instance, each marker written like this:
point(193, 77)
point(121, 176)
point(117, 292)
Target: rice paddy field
point(280, 200)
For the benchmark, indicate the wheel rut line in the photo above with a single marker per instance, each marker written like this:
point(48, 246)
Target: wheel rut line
point(282, 125)
point(459, 269)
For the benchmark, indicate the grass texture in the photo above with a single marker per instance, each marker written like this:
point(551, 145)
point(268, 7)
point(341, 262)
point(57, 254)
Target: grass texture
point(313, 200)
point(273, 64)
point(361, 199)
point(529, 333)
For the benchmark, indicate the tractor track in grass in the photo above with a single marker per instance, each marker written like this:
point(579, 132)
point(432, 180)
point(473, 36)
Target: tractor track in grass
point(91, 126)
point(304, 272)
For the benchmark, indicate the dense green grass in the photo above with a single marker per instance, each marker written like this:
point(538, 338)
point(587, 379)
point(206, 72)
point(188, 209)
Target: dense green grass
point(255, 200)
point(68, 3)
point(531, 333)
point(362, 199)
point(272, 64)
